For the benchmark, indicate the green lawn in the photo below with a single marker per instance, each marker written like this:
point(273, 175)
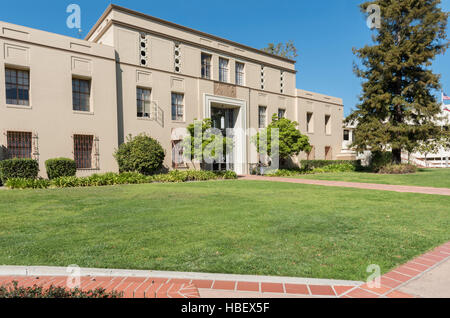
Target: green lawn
point(239, 227)
point(437, 178)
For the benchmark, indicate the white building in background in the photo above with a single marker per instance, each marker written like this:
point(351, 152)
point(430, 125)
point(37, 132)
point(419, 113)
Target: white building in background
point(441, 159)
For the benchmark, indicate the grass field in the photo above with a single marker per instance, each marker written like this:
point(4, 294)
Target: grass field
point(239, 227)
point(437, 178)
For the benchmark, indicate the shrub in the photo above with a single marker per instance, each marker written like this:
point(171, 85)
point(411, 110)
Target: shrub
point(312, 164)
point(343, 167)
point(18, 168)
point(60, 167)
point(15, 291)
point(141, 154)
point(98, 180)
point(380, 159)
point(21, 183)
point(398, 169)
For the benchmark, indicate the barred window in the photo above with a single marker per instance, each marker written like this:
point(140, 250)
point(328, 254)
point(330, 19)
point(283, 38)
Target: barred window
point(17, 87)
point(19, 144)
point(239, 73)
point(262, 118)
point(206, 66)
point(83, 145)
point(81, 94)
point(143, 102)
point(223, 70)
point(177, 154)
point(177, 107)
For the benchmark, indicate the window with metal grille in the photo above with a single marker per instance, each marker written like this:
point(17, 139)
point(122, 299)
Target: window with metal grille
point(17, 87)
point(20, 144)
point(262, 120)
point(206, 66)
point(177, 107)
point(81, 94)
point(143, 102)
point(223, 70)
point(239, 73)
point(83, 145)
point(177, 154)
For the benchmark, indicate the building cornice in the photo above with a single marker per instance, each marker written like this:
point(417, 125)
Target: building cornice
point(112, 7)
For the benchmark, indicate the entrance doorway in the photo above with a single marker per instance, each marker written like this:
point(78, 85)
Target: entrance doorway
point(224, 117)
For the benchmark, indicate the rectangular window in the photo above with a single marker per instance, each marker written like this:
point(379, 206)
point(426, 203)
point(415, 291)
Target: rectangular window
point(206, 66)
point(83, 145)
point(327, 124)
point(223, 70)
point(19, 144)
point(81, 94)
point(281, 113)
point(143, 102)
point(346, 135)
point(177, 107)
point(240, 73)
point(177, 154)
point(262, 118)
point(17, 87)
point(310, 123)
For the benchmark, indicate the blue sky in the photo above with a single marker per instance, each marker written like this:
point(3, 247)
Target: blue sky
point(324, 31)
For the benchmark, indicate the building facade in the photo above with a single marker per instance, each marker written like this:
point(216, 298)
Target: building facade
point(65, 97)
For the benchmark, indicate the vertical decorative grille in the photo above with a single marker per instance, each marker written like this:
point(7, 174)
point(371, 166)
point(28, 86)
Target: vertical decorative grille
point(83, 151)
point(20, 144)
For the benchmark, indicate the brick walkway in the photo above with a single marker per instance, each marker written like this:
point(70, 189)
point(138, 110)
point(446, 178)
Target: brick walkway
point(157, 287)
point(368, 186)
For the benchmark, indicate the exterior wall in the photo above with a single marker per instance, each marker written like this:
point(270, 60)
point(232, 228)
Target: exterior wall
point(52, 60)
point(111, 58)
point(320, 106)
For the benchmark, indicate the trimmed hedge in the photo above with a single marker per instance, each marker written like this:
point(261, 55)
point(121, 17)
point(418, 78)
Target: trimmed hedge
point(98, 180)
point(345, 167)
point(18, 168)
point(60, 167)
point(15, 291)
point(398, 169)
point(313, 164)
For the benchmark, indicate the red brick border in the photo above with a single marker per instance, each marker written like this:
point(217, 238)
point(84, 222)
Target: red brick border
point(136, 287)
point(402, 275)
point(131, 287)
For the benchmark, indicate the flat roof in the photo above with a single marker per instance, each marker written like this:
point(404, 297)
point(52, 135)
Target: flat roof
point(178, 26)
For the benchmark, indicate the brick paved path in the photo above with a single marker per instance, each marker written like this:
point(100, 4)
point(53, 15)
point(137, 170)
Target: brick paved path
point(369, 186)
point(147, 287)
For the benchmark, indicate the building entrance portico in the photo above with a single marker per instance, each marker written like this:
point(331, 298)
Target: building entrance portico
point(230, 117)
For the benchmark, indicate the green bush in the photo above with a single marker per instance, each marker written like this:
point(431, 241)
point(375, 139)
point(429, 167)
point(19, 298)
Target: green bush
point(141, 154)
point(60, 167)
point(312, 164)
point(343, 167)
point(15, 291)
point(398, 169)
point(98, 180)
point(18, 168)
point(380, 159)
point(21, 183)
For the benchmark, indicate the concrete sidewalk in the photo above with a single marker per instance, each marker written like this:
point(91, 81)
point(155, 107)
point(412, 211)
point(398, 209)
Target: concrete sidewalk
point(356, 185)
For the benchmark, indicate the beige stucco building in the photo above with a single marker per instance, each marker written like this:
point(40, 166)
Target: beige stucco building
point(65, 97)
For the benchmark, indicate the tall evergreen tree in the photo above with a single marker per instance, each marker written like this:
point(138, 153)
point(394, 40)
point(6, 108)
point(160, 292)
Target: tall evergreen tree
point(398, 109)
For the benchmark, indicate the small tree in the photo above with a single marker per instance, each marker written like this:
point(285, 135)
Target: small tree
point(291, 141)
point(203, 147)
point(287, 49)
point(141, 154)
